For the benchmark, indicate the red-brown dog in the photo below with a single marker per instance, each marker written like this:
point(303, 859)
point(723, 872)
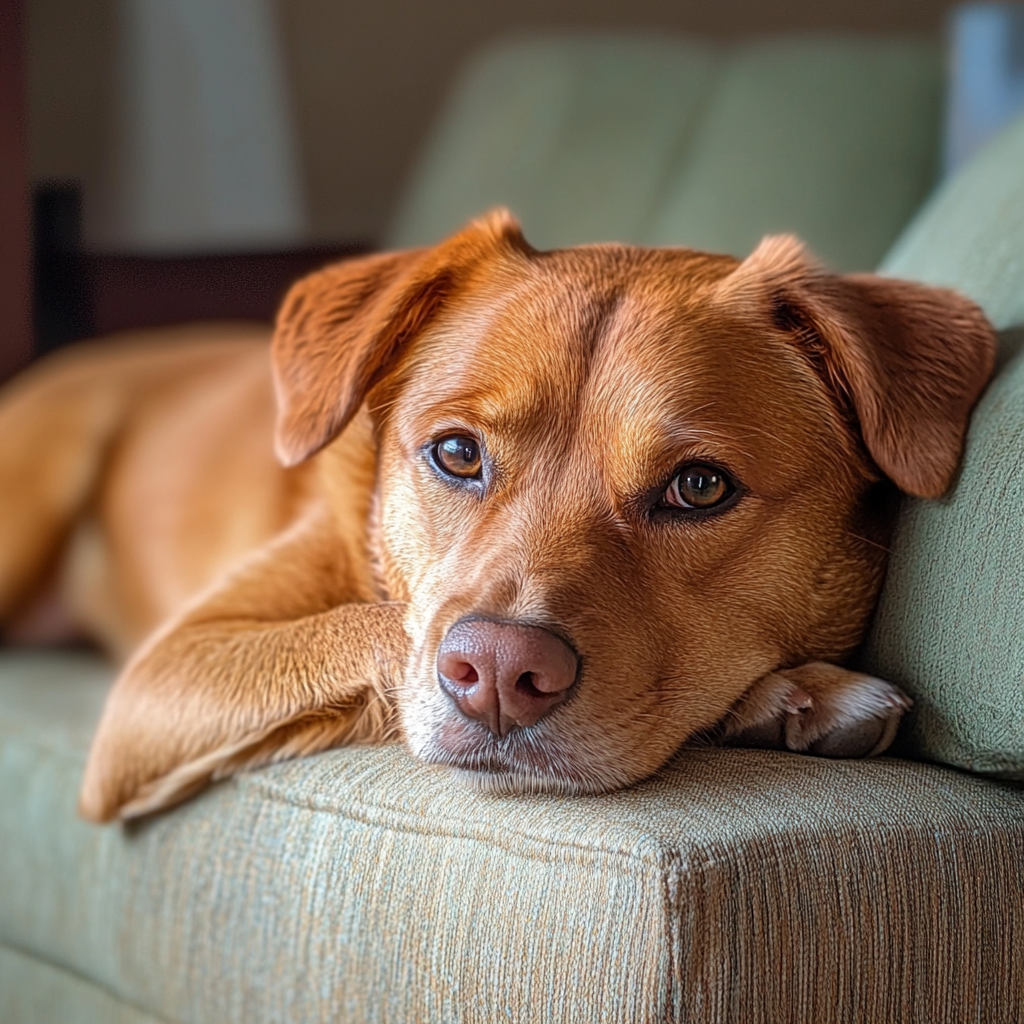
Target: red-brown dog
point(546, 516)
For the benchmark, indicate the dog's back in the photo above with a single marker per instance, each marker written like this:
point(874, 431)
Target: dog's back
point(100, 444)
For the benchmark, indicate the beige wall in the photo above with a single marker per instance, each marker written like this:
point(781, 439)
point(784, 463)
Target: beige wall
point(367, 76)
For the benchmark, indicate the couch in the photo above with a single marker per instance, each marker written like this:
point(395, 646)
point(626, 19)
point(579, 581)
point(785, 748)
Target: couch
point(734, 885)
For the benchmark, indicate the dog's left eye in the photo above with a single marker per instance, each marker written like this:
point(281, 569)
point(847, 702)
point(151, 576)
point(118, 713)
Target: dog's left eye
point(698, 486)
point(458, 456)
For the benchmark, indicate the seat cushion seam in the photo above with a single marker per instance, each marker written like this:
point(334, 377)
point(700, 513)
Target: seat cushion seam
point(32, 954)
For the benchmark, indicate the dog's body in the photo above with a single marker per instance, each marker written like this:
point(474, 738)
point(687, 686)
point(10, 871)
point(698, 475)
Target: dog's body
point(571, 508)
point(133, 426)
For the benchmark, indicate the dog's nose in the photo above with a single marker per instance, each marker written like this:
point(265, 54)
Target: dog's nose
point(505, 674)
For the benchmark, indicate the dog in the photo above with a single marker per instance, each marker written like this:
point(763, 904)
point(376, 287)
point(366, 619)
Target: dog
point(545, 516)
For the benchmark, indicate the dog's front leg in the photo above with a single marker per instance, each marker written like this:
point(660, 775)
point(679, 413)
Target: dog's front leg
point(278, 661)
point(818, 708)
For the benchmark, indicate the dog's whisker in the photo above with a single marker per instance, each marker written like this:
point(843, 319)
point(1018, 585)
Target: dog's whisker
point(867, 540)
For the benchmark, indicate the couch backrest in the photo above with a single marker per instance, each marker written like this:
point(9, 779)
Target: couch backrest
point(950, 624)
point(673, 141)
point(835, 139)
point(970, 234)
point(576, 135)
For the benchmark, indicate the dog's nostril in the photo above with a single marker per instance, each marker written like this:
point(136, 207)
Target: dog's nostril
point(456, 669)
point(525, 684)
point(464, 673)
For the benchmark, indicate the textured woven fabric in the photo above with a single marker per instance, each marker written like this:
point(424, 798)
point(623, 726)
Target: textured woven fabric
point(950, 624)
point(358, 885)
point(675, 142)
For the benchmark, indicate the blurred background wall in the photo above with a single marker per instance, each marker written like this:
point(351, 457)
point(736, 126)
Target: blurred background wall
point(365, 78)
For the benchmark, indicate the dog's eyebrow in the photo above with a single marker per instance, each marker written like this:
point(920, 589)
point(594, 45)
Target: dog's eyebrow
point(680, 435)
point(650, 447)
point(679, 431)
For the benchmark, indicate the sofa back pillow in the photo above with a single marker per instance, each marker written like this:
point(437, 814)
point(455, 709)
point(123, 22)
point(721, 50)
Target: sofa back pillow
point(833, 138)
point(674, 141)
point(950, 624)
point(577, 134)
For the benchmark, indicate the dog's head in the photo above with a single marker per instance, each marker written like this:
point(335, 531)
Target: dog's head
point(617, 485)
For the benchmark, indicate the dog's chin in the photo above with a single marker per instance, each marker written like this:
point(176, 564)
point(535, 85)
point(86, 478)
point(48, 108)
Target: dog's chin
point(523, 762)
point(529, 783)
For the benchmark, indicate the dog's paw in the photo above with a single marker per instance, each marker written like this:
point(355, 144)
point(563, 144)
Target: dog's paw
point(818, 708)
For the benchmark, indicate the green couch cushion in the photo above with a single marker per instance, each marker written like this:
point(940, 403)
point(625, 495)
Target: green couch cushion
point(577, 135)
point(950, 624)
point(675, 142)
point(835, 139)
point(360, 885)
point(970, 233)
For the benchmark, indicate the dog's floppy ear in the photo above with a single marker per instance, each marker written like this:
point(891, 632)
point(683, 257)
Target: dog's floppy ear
point(911, 360)
point(339, 329)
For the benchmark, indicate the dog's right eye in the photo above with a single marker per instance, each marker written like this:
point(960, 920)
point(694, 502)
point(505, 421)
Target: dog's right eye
point(458, 456)
point(698, 487)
